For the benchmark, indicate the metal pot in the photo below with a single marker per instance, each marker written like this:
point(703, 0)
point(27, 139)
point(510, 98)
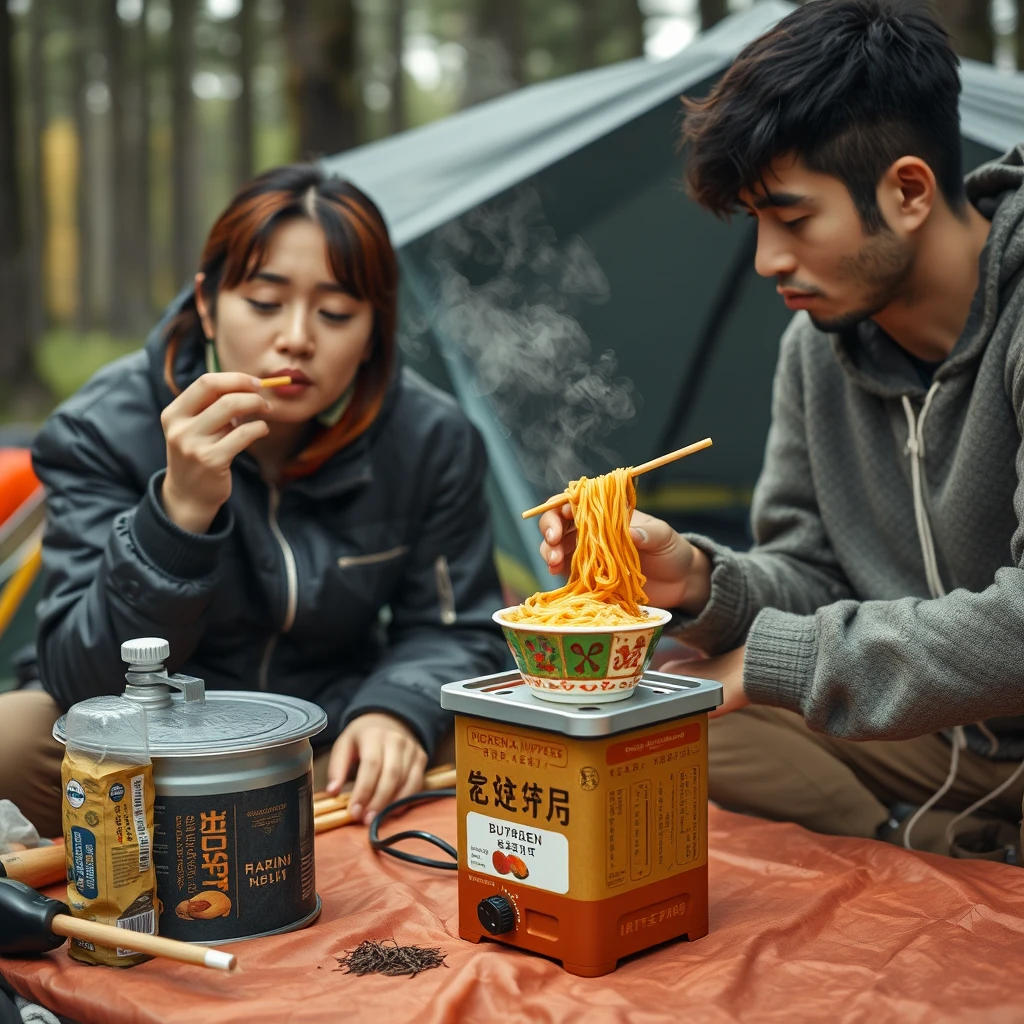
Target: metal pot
point(233, 813)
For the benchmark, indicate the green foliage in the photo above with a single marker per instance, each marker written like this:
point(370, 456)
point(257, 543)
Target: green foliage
point(66, 359)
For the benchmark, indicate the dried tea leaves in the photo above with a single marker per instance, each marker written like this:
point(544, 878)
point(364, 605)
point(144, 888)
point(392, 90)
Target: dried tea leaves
point(389, 958)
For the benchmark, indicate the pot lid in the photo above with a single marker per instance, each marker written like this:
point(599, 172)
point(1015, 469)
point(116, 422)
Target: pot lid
point(225, 722)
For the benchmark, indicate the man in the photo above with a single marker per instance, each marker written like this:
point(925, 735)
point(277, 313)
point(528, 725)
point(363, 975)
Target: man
point(883, 601)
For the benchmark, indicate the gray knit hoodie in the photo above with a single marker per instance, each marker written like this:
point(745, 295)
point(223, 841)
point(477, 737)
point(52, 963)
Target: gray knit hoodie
point(872, 614)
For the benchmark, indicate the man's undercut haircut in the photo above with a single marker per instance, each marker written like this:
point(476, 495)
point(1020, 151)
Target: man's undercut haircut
point(849, 87)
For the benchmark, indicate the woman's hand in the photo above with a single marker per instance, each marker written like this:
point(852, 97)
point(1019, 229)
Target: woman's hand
point(678, 574)
point(391, 763)
point(205, 427)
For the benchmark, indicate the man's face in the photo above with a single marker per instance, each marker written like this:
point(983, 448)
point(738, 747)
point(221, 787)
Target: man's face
point(811, 240)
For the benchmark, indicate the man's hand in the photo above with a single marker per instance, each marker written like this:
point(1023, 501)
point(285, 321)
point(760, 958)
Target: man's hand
point(726, 669)
point(391, 763)
point(678, 574)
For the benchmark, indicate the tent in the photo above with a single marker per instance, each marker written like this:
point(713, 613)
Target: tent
point(585, 313)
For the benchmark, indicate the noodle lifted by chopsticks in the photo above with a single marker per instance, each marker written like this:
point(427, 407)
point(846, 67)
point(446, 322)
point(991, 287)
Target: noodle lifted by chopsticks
point(606, 586)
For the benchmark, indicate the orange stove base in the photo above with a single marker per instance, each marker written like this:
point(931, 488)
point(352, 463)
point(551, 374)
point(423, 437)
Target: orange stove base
point(590, 937)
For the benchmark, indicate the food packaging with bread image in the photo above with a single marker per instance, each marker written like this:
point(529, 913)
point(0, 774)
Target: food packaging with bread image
point(107, 785)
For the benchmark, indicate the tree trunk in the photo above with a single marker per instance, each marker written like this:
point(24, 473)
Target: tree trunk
point(589, 34)
point(712, 12)
point(184, 144)
point(970, 26)
point(15, 334)
point(495, 50)
point(245, 154)
point(127, 76)
point(85, 241)
point(322, 74)
point(503, 22)
point(396, 113)
point(634, 19)
point(39, 222)
point(143, 229)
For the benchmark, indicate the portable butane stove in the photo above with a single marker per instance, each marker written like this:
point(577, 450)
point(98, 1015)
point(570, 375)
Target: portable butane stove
point(582, 829)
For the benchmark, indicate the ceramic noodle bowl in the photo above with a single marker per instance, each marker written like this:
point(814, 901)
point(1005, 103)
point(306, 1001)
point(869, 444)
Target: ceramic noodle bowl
point(583, 664)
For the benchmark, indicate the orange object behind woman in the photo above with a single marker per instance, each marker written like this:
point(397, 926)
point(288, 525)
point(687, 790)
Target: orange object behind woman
point(17, 480)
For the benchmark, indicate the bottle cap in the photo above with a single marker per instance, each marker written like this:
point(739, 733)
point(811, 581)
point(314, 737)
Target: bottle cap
point(147, 650)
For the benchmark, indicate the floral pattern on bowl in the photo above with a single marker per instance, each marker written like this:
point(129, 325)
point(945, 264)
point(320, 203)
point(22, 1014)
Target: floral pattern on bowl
point(583, 664)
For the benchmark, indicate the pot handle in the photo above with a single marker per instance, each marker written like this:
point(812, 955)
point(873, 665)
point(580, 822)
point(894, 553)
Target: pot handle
point(192, 688)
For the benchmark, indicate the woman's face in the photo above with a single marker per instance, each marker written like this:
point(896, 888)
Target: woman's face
point(292, 319)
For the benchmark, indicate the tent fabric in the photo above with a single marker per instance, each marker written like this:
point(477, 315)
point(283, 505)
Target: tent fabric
point(803, 928)
point(425, 177)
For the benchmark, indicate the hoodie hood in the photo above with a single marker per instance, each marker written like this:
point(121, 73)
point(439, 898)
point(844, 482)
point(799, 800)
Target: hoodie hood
point(877, 364)
point(175, 362)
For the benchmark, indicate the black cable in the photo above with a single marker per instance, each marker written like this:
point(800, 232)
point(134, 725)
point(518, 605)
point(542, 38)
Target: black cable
point(384, 845)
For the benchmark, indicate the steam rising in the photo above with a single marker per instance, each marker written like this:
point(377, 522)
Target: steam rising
point(505, 293)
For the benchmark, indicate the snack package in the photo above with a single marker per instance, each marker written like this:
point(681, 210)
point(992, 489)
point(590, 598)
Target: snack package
point(107, 780)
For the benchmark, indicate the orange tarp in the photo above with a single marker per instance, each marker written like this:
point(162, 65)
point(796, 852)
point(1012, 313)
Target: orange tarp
point(803, 928)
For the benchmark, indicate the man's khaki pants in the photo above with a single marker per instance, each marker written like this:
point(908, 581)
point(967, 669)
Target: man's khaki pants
point(767, 762)
point(30, 758)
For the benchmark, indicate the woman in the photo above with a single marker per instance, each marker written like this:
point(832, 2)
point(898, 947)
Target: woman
point(327, 539)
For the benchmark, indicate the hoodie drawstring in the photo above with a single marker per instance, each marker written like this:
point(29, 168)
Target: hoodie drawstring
point(915, 449)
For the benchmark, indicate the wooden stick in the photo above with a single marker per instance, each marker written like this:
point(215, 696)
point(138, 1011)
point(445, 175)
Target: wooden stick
point(154, 945)
point(437, 778)
point(274, 382)
point(335, 819)
point(327, 818)
point(39, 867)
point(645, 467)
point(331, 803)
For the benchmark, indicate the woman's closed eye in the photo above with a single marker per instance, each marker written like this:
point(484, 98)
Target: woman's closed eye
point(335, 318)
point(263, 307)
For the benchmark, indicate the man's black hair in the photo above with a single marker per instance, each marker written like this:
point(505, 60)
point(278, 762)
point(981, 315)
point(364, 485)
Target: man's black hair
point(849, 86)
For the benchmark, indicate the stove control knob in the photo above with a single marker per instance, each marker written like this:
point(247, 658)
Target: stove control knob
point(496, 915)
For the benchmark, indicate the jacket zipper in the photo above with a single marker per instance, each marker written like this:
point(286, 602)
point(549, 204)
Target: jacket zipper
point(381, 556)
point(445, 593)
point(292, 581)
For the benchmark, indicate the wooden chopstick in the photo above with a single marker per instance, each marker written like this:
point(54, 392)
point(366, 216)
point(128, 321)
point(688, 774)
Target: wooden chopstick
point(38, 867)
point(274, 382)
point(154, 945)
point(327, 816)
point(645, 467)
point(335, 819)
point(323, 801)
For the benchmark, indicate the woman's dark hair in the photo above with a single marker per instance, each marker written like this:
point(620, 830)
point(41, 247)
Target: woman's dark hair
point(359, 252)
point(848, 86)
